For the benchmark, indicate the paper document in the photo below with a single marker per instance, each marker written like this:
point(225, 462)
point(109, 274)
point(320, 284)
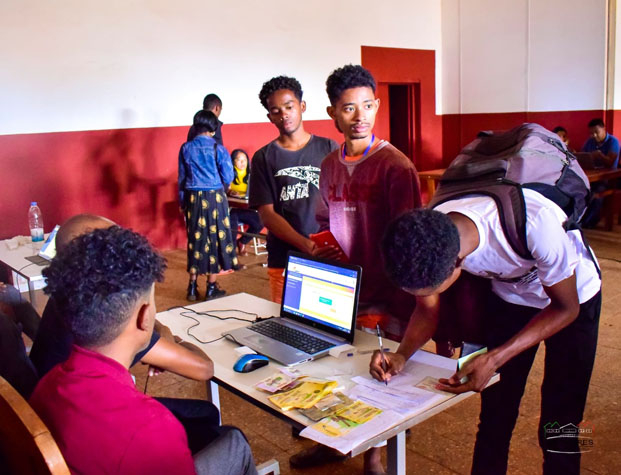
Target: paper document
point(343, 435)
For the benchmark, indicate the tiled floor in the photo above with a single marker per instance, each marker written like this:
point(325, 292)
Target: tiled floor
point(443, 444)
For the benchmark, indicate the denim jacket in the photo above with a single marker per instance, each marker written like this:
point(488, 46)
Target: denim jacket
point(198, 168)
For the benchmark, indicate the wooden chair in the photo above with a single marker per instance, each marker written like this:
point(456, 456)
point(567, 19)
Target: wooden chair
point(26, 445)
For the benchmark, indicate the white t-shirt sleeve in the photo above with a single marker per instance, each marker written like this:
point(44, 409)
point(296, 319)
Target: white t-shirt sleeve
point(549, 244)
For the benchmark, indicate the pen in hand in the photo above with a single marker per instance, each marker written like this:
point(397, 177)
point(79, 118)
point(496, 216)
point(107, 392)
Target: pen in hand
point(381, 348)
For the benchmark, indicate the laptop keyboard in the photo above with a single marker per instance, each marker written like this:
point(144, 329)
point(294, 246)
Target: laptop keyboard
point(291, 336)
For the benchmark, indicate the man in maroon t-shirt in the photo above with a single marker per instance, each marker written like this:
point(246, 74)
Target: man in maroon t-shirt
point(103, 286)
point(364, 186)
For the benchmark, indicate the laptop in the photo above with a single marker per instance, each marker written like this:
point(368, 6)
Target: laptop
point(318, 312)
point(48, 250)
point(587, 162)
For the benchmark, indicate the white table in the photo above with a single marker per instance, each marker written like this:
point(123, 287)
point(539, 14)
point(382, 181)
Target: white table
point(15, 259)
point(340, 369)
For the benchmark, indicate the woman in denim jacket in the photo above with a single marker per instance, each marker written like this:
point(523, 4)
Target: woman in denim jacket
point(205, 172)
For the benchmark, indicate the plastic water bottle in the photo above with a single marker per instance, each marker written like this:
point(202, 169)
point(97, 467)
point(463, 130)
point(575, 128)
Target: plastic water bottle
point(35, 222)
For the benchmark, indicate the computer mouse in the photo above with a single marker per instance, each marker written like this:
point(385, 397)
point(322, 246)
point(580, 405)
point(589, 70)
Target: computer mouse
point(248, 363)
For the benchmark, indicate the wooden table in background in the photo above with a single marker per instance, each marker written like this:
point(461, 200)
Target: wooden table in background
point(237, 202)
point(430, 178)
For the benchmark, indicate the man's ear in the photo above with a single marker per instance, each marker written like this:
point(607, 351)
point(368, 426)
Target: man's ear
point(377, 103)
point(143, 320)
point(303, 106)
point(331, 112)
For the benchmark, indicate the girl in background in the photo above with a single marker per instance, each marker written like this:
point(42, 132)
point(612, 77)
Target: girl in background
point(239, 189)
point(205, 172)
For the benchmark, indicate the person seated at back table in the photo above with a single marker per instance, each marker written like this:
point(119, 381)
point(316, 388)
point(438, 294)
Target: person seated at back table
point(604, 150)
point(53, 342)
point(103, 284)
point(562, 133)
point(602, 146)
point(239, 189)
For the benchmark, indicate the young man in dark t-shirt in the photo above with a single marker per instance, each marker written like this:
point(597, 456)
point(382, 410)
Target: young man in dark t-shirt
point(284, 183)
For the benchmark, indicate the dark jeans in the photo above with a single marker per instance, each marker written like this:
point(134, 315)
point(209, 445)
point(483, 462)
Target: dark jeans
point(17, 315)
point(200, 419)
point(245, 216)
point(569, 359)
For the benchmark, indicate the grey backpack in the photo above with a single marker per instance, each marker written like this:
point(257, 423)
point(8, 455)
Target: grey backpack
point(501, 164)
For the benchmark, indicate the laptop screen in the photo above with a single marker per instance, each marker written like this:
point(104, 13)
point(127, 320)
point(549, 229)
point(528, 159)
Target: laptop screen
point(321, 293)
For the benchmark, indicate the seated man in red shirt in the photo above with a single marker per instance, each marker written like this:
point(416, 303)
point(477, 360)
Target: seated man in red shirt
point(103, 285)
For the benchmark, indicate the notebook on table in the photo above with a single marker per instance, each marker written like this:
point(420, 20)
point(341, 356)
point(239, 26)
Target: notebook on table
point(318, 312)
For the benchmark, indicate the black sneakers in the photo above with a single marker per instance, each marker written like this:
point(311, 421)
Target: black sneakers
point(214, 291)
point(192, 291)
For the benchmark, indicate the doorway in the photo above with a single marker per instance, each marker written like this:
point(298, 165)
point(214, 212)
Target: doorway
point(403, 118)
point(413, 72)
point(400, 123)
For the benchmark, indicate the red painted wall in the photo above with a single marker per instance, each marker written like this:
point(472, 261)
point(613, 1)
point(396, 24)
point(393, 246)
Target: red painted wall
point(459, 130)
point(127, 175)
point(407, 66)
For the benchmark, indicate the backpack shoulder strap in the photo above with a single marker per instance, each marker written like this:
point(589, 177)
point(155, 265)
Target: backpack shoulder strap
point(511, 206)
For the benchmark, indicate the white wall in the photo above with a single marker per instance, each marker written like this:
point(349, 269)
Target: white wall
point(616, 57)
point(523, 55)
point(85, 64)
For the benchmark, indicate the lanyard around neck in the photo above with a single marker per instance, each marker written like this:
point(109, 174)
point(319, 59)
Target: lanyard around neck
point(366, 151)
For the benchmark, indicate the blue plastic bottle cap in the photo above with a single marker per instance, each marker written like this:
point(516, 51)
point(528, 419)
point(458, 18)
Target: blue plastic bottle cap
point(33, 203)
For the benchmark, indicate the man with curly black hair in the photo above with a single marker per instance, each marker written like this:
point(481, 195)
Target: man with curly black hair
point(555, 298)
point(364, 186)
point(103, 284)
point(285, 177)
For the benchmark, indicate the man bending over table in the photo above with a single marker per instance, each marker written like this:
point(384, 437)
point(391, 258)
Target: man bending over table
point(103, 286)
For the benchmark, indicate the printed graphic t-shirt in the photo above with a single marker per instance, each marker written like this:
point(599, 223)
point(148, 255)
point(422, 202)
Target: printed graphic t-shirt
point(288, 180)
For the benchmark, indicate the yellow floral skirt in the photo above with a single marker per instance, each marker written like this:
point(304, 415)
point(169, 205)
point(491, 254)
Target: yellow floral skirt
point(211, 248)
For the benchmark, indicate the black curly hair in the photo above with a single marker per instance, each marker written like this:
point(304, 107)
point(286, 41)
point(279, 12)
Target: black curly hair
point(97, 280)
point(348, 77)
point(420, 249)
point(278, 83)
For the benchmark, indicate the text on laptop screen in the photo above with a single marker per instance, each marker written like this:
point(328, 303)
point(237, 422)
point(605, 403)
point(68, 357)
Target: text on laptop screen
point(320, 292)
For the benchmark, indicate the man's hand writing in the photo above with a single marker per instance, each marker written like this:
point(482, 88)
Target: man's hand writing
point(394, 364)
